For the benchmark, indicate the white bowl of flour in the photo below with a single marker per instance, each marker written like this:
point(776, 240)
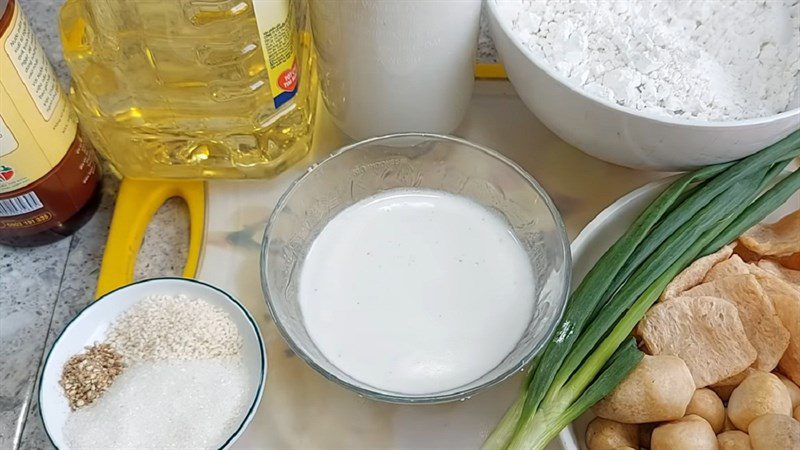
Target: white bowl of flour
point(659, 84)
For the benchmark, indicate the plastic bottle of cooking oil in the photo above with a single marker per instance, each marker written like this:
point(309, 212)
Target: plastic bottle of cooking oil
point(192, 88)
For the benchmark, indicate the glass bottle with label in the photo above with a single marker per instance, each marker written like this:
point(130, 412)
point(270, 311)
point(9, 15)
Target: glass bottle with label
point(49, 180)
point(192, 88)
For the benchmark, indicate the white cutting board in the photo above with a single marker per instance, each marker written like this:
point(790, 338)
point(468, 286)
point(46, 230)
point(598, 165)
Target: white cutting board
point(301, 409)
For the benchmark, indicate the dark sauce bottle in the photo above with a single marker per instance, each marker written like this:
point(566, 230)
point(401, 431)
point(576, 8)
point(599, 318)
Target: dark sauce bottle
point(49, 176)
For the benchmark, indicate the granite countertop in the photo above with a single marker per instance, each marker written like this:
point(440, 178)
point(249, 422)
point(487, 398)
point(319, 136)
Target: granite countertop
point(44, 287)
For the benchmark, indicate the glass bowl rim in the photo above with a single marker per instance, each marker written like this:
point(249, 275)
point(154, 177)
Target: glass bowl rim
point(432, 398)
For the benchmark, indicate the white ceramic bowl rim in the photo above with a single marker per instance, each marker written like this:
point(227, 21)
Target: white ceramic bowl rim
point(544, 66)
point(429, 398)
point(104, 297)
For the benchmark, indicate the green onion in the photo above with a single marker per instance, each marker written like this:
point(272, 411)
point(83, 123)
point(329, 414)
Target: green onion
point(695, 215)
point(672, 249)
point(759, 210)
point(586, 296)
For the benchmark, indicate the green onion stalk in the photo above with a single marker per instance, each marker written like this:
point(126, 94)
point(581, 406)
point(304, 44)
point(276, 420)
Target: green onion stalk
point(592, 351)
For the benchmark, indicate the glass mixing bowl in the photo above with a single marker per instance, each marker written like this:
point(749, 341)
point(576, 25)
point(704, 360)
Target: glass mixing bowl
point(415, 160)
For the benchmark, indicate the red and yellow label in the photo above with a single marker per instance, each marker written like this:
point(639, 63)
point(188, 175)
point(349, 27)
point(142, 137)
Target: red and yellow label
point(277, 33)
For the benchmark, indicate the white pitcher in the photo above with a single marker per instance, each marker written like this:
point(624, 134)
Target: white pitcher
point(391, 66)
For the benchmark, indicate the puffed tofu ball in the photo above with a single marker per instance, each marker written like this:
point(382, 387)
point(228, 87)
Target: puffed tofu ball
point(729, 426)
point(658, 389)
point(603, 434)
point(734, 440)
point(794, 390)
point(725, 387)
point(760, 393)
point(774, 432)
point(689, 433)
point(706, 404)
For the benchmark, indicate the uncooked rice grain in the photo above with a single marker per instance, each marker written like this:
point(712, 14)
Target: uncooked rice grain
point(174, 327)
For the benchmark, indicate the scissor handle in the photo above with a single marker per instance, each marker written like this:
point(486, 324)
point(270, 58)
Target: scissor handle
point(137, 202)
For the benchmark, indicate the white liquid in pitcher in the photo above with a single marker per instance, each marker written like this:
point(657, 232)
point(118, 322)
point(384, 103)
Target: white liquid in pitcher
point(416, 291)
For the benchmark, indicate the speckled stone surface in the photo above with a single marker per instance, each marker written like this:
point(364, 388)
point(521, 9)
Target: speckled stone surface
point(43, 288)
point(29, 281)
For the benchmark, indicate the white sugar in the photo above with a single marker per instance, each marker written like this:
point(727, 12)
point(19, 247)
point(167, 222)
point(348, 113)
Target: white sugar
point(699, 59)
point(174, 327)
point(164, 405)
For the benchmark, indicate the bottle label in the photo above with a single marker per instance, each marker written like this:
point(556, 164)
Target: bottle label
point(37, 125)
point(47, 172)
point(7, 142)
point(31, 64)
point(19, 205)
point(277, 34)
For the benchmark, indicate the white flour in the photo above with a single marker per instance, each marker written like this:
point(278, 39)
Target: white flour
point(712, 60)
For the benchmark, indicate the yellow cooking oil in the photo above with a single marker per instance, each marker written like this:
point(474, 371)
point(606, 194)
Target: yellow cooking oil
point(192, 88)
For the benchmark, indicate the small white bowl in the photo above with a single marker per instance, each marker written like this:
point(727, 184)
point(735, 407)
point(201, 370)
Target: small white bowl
point(91, 325)
point(620, 134)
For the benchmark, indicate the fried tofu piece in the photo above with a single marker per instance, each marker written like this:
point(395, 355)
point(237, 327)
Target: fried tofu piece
point(694, 274)
point(745, 253)
point(735, 265)
point(705, 332)
point(781, 238)
point(786, 300)
point(788, 275)
point(790, 262)
point(728, 268)
point(761, 323)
